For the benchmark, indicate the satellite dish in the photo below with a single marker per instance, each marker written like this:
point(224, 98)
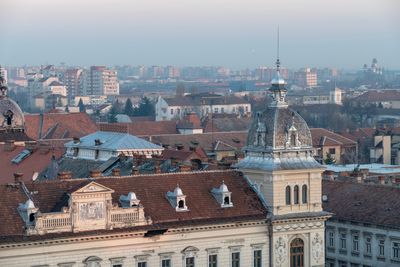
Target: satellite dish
point(35, 176)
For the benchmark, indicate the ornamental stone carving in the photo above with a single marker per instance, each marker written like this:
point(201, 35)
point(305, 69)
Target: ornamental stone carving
point(280, 251)
point(317, 247)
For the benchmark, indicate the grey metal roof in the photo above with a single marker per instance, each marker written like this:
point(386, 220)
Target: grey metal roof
point(274, 164)
point(114, 141)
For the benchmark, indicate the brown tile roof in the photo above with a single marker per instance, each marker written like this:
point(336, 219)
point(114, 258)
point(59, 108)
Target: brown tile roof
point(206, 141)
point(141, 128)
point(151, 190)
point(321, 137)
point(36, 162)
point(58, 125)
point(181, 155)
point(359, 202)
point(189, 121)
point(380, 95)
point(17, 136)
point(226, 124)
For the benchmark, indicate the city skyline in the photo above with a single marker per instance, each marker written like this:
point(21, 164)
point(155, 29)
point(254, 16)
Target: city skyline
point(336, 34)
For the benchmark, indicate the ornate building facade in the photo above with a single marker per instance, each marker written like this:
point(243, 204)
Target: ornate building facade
point(280, 166)
point(268, 212)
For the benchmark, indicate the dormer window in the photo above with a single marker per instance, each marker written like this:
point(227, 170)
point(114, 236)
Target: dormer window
point(28, 212)
point(177, 199)
point(223, 195)
point(129, 200)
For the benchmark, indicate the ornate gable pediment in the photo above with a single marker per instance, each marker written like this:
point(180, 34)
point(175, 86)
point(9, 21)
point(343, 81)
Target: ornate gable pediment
point(93, 187)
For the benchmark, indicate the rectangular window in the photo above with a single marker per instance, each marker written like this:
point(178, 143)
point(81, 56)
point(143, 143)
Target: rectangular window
point(189, 262)
point(355, 243)
point(235, 259)
point(142, 264)
point(343, 241)
point(331, 236)
point(381, 247)
point(117, 265)
point(172, 111)
point(222, 110)
point(166, 263)
point(215, 110)
point(396, 250)
point(332, 151)
point(342, 264)
point(212, 260)
point(368, 249)
point(257, 254)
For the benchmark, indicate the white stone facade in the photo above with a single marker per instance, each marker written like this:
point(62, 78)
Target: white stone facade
point(128, 249)
point(351, 244)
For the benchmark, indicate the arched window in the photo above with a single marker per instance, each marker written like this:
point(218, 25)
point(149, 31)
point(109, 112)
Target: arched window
point(304, 194)
point(293, 139)
point(297, 253)
point(181, 204)
point(288, 200)
point(227, 201)
point(296, 194)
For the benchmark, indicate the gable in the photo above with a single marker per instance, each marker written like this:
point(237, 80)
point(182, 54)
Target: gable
point(93, 187)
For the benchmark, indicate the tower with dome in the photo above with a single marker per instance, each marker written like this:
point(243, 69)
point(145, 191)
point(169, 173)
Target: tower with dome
point(279, 165)
point(12, 122)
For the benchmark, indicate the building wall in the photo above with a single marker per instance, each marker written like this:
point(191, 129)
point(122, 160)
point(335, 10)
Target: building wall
point(222, 240)
point(335, 255)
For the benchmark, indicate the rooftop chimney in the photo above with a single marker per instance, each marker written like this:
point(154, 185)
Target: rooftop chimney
point(18, 177)
point(97, 142)
point(63, 175)
point(30, 145)
point(185, 168)
point(9, 145)
point(95, 173)
point(135, 171)
point(116, 172)
point(381, 179)
point(76, 140)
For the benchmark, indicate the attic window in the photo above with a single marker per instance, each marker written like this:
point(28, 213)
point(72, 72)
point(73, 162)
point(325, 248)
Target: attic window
point(223, 195)
point(129, 200)
point(177, 199)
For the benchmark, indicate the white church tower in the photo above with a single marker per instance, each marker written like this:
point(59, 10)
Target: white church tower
point(279, 164)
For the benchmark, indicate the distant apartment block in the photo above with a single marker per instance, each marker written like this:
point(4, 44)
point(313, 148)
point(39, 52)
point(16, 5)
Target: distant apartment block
point(202, 104)
point(306, 78)
point(99, 81)
point(72, 82)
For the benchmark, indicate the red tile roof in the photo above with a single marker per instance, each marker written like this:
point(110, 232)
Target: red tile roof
point(36, 162)
point(58, 125)
point(324, 137)
point(360, 202)
point(151, 190)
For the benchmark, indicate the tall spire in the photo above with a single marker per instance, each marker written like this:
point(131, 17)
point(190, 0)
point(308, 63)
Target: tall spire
point(278, 89)
point(278, 63)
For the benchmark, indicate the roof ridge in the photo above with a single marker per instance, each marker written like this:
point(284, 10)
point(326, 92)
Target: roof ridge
point(139, 175)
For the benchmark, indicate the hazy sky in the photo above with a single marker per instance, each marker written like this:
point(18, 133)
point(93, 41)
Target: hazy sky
point(233, 33)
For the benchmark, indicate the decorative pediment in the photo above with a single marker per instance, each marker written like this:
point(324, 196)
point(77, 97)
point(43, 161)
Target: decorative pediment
point(93, 187)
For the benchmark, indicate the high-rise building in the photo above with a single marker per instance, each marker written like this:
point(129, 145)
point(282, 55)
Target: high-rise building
point(99, 81)
point(306, 78)
point(72, 81)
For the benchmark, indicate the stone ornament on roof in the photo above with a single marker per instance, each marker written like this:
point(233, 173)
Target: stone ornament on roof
point(11, 115)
